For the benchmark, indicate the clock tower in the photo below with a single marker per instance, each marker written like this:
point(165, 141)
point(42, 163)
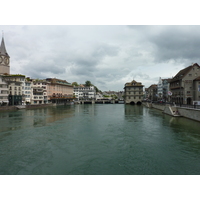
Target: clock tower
point(4, 59)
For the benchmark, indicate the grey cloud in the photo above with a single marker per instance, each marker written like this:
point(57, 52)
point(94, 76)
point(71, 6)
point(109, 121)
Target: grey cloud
point(106, 55)
point(176, 43)
point(38, 69)
point(86, 63)
point(105, 50)
point(165, 43)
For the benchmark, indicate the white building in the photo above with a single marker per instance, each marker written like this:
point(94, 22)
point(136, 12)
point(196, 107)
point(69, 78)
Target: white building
point(162, 89)
point(26, 92)
point(99, 96)
point(39, 92)
point(84, 92)
point(3, 91)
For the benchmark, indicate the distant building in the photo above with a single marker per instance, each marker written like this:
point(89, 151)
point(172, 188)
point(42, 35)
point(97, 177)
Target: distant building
point(3, 91)
point(152, 92)
point(113, 95)
point(162, 89)
point(99, 96)
point(15, 83)
point(84, 92)
point(59, 91)
point(4, 59)
point(146, 94)
point(27, 91)
point(196, 86)
point(184, 86)
point(39, 91)
point(133, 92)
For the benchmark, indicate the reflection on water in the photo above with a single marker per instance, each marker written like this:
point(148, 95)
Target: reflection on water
point(98, 139)
point(35, 117)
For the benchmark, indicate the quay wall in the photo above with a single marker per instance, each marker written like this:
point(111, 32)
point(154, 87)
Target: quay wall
point(159, 107)
point(167, 110)
point(7, 108)
point(31, 106)
point(189, 113)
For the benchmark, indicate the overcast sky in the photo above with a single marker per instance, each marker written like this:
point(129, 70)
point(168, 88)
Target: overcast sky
point(108, 56)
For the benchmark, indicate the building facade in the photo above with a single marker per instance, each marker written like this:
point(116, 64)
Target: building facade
point(3, 91)
point(39, 91)
point(196, 86)
point(184, 85)
point(26, 92)
point(151, 92)
point(85, 92)
point(163, 89)
point(15, 83)
point(133, 92)
point(59, 91)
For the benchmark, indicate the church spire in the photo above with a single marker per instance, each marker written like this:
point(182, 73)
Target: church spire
point(3, 48)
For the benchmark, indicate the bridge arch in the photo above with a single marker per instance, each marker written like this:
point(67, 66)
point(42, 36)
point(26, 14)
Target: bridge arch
point(132, 103)
point(139, 103)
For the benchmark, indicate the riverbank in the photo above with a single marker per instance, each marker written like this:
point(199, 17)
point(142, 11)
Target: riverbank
point(176, 111)
point(32, 106)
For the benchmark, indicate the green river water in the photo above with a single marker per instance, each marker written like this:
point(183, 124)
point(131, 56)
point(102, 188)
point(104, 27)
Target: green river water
point(100, 139)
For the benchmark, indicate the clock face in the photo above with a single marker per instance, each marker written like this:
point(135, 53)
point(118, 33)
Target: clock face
point(6, 61)
point(1, 59)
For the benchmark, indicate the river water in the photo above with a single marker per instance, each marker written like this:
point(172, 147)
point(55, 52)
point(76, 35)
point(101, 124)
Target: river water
point(101, 139)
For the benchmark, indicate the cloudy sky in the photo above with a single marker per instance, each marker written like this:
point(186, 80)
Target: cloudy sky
point(108, 56)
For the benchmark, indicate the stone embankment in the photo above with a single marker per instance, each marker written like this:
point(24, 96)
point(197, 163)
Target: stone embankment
point(13, 108)
point(176, 111)
point(8, 108)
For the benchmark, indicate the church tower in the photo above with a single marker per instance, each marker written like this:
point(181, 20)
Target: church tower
point(4, 59)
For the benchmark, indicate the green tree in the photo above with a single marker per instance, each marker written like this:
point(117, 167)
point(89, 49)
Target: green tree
point(88, 83)
point(75, 84)
point(97, 90)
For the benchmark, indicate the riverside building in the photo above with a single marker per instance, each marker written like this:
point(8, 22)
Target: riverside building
point(185, 85)
point(59, 91)
point(163, 89)
point(15, 83)
point(85, 92)
point(3, 91)
point(152, 92)
point(133, 92)
point(39, 91)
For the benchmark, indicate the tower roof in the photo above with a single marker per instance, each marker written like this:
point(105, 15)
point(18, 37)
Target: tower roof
point(3, 48)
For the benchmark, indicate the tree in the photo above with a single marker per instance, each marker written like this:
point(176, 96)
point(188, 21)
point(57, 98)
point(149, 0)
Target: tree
point(75, 84)
point(97, 90)
point(88, 83)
